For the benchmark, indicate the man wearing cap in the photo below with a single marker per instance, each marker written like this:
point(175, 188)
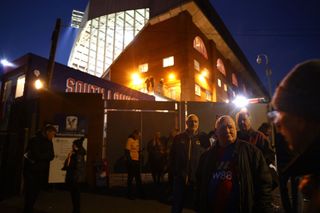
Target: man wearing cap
point(37, 159)
point(297, 117)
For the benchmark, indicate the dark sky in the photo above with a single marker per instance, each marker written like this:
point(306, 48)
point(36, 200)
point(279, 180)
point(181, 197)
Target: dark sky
point(288, 31)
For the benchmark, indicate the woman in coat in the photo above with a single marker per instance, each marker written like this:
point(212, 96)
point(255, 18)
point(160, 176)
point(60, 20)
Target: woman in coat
point(75, 168)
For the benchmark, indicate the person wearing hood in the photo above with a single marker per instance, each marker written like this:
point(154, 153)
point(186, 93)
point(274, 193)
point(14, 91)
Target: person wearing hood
point(75, 172)
point(297, 117)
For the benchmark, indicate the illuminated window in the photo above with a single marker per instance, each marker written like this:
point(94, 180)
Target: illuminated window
point(103, 38)
point(219, 82)
point(196, 65)
point(220, 67)
point(173, 91)
point(200, 47)
point(234, 79)
point(197, 90)
point(6, 91)
point(20, 86)
point(208, 96)
point(167, 62)
point(225, 87)
point(143, 67)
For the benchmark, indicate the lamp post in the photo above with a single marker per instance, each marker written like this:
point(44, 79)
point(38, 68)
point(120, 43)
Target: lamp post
point(264, 58)
point(260, 59)
point(54, 39)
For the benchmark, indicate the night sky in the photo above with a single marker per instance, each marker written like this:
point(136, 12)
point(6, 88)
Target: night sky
point(288, 31)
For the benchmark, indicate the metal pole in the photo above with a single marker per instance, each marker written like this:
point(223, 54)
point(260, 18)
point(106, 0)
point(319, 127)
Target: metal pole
point(268, 75)
point(54, 39)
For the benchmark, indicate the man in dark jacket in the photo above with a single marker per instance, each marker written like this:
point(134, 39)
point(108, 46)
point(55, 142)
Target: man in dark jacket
point(38, 155)
point(247, 133)
point(185, 152)
point(297, 117)
point(232, 175)
point(257, 138)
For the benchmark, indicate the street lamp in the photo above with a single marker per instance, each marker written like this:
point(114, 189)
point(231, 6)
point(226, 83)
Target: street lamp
point(260, 59)
point(268, 71)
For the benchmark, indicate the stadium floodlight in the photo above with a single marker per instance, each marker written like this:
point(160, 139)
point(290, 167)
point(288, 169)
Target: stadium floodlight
point(6, 63)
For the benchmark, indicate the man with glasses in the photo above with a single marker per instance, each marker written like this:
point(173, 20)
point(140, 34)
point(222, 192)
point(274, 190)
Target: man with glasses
point(297, 118)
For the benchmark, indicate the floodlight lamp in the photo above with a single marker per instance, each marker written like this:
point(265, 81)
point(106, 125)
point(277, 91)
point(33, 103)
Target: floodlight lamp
point(6, 63)
point(240, 101)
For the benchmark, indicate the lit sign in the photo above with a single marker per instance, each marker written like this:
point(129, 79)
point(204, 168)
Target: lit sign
point(78, 86)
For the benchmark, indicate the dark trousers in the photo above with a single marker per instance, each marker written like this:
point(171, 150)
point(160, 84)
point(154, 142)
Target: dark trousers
point(134, 172)
point(33, 184)
point(292, 205)
point(182, 193)
point(74, 189)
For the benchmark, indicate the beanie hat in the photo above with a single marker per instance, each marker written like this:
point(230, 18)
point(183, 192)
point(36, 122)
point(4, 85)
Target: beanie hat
point(78, 142)
point(298, 93)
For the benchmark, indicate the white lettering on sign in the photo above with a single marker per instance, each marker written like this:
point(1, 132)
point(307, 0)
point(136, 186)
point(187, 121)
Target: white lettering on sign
point(78, 86)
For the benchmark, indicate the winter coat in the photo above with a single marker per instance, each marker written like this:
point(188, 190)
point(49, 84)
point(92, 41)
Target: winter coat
point(38, 155)
point(75, 166)
point(261, 141)
point(255, 183)
point(183, 165)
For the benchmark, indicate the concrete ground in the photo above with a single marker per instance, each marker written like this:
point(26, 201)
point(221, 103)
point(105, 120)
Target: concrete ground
point(97, 200)
point(60, 202)
point(113, 200)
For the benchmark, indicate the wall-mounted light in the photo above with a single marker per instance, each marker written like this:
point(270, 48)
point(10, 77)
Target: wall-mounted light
point(38, 84)
point(205, 73)
point(171, 76)
point(136, 79)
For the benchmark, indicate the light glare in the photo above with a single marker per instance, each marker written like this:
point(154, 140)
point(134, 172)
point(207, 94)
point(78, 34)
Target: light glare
point(6, 63)
point(240, 101)
point(38, 84)
point(136, 79)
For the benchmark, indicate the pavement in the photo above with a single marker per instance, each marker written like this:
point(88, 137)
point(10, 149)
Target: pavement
point(112, 200)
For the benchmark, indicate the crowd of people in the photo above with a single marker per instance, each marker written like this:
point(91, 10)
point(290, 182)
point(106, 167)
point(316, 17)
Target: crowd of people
point(225, 170)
